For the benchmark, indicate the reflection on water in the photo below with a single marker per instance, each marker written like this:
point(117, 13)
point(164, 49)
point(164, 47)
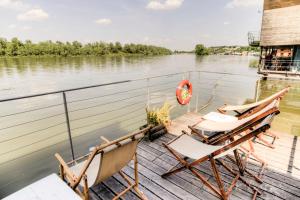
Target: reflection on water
point(23, 64)
point(26, 150)
point(289, 119)
point(254, 63)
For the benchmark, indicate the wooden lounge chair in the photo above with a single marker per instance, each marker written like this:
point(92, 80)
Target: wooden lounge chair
point(217, 128)
point(243, 111)
point(184, 147)
point(223, 129)
point(101, 163)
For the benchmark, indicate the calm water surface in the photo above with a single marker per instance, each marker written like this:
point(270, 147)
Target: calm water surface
point(29, 135)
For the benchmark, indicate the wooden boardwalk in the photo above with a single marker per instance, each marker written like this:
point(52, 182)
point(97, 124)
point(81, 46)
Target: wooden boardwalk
point(279, 180)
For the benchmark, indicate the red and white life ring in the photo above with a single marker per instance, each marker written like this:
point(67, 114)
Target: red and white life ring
point(184, 92)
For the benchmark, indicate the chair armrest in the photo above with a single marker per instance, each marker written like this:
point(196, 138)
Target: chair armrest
point(69, 174)
point(199, 134)
point(220, 109)
point(104, 139)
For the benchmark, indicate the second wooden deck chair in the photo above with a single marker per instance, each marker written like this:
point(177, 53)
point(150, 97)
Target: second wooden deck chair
point(223, 129)
point(185, 147)
point(103, 162)
point(242, 111)
point(246, 110)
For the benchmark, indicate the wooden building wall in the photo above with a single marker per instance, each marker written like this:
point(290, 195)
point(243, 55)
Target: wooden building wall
point(273, 4)
point(280, 23)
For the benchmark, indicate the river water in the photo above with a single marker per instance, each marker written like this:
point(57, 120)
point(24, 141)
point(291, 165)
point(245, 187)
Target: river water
point(32, 130)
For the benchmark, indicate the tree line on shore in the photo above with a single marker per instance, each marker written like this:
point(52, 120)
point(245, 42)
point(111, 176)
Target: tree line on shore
point(201, 50)
point(16, 47)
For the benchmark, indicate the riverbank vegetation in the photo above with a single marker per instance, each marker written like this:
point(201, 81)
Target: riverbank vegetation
point(200, 50)
point(15, 47)
point(232, 50)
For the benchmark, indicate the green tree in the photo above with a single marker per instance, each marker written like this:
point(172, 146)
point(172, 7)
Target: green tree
point(118, 46)
point(3, 46)
point(13, 48)
point(201, 50)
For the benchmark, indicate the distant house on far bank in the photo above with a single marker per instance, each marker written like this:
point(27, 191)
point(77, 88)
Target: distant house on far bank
point(279, 38)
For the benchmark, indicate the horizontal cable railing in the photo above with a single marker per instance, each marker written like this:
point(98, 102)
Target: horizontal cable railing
point(254, 38)
point(33, 132)
point(281, 65)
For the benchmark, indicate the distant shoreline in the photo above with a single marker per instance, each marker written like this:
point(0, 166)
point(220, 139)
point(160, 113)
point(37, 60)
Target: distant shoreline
point(77, 56)
point(16, 47)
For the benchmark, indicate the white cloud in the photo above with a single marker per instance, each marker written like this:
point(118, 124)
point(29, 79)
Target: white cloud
point(166, 5)
point(36, 14)
point(226, 23)
point(12, 26)
point(103, 21)
point(243, 3)
point(13, 4)
point(26, 28)
point(146, 39)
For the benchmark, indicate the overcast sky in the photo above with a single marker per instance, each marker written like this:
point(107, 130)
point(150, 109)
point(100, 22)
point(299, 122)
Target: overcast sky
point(176, 24)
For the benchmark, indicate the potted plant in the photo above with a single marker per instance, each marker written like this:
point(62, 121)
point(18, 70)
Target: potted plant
point(159, 119)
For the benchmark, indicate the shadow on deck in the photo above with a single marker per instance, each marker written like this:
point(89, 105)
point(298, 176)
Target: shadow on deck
point(279, 181)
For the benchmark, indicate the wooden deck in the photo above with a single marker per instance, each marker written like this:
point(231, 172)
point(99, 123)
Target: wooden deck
point(281, 179)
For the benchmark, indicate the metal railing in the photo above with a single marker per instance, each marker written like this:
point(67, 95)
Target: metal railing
point(292, 66)
point(34, 127)
point(254, 38)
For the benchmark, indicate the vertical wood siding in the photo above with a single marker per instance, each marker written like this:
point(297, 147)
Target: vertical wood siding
point(281, 26)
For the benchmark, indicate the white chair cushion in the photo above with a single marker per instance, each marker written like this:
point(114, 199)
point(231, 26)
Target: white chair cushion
point(219, 117)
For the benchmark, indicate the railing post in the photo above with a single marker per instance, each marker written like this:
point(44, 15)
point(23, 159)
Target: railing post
point(189, 104)
point(148, 94)
point(68, 124)
point(197, 99)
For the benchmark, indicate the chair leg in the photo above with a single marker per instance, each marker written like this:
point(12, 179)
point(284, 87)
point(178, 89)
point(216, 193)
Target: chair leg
point(136, 179)
point(239, 162)
point(61, 172)
point(265, 142)
point(240, 178)
point(218, 179)
point(257, 178)
point(174, 169)
point(140, 193)
point(85, 188)
point(131, 184)
point(273, 135)
point(123, 192)
point(205, 182)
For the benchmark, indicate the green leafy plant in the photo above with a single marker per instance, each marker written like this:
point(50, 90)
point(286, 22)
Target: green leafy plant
point(157, 116)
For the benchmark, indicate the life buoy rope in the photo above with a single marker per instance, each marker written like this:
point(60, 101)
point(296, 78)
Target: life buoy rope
point(184, 92)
